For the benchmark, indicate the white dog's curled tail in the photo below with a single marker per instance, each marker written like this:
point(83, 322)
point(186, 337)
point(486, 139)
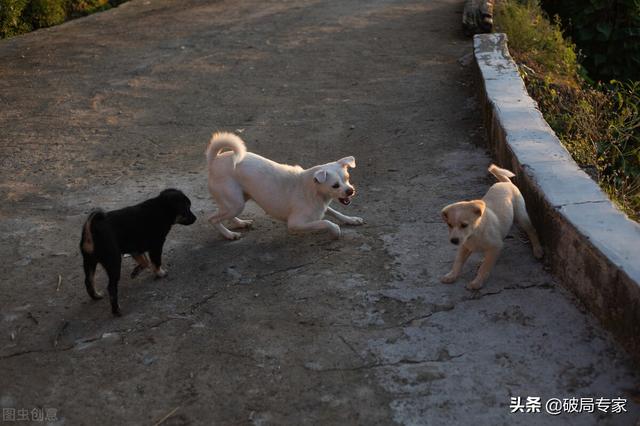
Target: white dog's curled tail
point(502, 175)
point(225, 140)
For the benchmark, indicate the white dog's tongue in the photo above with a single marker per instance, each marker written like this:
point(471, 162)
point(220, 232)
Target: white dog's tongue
point(345, 201)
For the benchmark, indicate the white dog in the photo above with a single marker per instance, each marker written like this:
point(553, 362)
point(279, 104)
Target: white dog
point(288, 193)
point(482, 225)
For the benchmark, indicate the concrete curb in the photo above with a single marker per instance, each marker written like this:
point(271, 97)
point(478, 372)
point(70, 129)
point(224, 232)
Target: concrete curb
point(592, 246)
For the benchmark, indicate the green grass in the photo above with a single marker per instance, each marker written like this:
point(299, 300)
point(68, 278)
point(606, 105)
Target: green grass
point(599, 125)
point(537, 40)
point(21, 16)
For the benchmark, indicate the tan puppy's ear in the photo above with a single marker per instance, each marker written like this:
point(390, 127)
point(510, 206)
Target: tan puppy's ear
point(478, 207)
point(320, 176)
point(347, 162)
point(443, 212)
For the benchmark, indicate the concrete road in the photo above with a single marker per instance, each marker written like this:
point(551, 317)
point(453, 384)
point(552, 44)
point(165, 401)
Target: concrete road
point(271, 329)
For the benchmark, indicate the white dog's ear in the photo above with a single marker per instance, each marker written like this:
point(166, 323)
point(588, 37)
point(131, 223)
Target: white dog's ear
point(320, 176)
point(347, 162)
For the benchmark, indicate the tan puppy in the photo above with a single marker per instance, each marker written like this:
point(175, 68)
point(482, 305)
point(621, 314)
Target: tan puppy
point(482, 225)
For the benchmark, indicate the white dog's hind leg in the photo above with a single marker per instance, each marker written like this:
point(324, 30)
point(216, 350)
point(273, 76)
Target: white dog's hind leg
point(522, 219)
point(241, 223)
point(317, 225)
point(230, 202)
point(349, 220)
point(216, 220)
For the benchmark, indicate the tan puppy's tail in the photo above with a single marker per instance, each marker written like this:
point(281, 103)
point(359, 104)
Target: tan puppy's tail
point(225, 140)
point(502, 175)
point(87, 235)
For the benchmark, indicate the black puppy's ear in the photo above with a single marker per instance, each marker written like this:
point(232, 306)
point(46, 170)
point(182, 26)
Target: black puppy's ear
point(169, 192)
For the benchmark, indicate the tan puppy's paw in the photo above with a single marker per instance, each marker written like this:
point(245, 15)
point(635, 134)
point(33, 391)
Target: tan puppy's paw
point(475, 285)
point(448, 278)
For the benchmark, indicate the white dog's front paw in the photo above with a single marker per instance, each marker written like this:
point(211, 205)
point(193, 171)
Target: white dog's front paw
point(449, 278)
point(354, 220)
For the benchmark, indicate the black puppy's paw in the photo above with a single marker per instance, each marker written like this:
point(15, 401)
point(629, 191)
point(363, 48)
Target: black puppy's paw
point(96, 295)
point(116, 312)
point(160, 273)
point(136, 271)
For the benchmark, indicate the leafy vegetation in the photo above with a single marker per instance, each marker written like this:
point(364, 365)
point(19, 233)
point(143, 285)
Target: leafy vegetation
point(538, 41)
point(607, 32)
point(599, 124)
point(21, 16)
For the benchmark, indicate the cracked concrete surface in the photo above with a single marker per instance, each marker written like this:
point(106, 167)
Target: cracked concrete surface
point(271, 329)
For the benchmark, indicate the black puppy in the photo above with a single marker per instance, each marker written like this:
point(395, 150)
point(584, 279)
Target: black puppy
point(136, 230)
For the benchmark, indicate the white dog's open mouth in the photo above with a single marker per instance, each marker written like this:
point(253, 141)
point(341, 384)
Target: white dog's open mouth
point(345, 201)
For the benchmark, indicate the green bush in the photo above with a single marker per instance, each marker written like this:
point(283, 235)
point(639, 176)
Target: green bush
point(21, 16)
point(86, 7)
point(607, 33)
point(11, 22)
point(619, 155)
point(535, 37)
point(599, 125)
point(45, 13)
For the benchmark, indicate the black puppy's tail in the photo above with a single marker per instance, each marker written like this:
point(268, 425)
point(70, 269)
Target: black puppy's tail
point(87, 234)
